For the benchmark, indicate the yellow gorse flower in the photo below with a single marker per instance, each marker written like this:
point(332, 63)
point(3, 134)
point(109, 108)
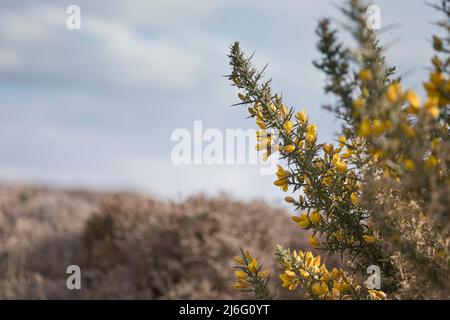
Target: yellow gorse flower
point(358, 103)
point(289, 148)
point(313, 241)
point(433, 112)
point(408, 130)
point(287, 277)
point(364, 128)
point(378, 127)
point(413, 99)
point(261, 124)
point(301, 117)
point(320, 288)
point(348, 153)
point(238, 260)
point(253, 266)
point(264, 274)
point(303, 220)
point(241, 284)
point(340, 165)
point(311, 133)
point(327, 148)
point(369, 239)
point(377, 295)
point(241, 275)
point(365, 75)
point(288, 127)
point(342, 287)
point(394, 92)
point(355, 198)
point(284, 110)
point(342, 141)
point(432, 107)
point(282, 181)
point(409, 164)
point(431, 161)
point(315, 217)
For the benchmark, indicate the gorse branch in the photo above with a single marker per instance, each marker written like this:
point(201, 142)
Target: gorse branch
point(379, 197)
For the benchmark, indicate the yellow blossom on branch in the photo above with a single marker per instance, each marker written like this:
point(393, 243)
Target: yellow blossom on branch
point(313, 241)
point(390, 164)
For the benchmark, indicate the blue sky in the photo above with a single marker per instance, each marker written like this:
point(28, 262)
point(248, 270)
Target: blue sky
point(96, 107)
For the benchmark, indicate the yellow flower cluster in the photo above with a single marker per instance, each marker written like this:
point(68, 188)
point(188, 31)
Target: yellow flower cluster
point(401, 107)
point(438, 87)
point(394, 94)
point(329, 180)
point(306, 270)
point(334, 158)
point(393, 140)
point(250, 276)
point(297, 140)
point(249, 270)
point(282, 178)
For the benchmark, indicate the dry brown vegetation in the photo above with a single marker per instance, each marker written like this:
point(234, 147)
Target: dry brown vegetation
point(131, 246)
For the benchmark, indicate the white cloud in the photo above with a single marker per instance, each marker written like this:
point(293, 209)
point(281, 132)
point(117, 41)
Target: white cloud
point(36, 46)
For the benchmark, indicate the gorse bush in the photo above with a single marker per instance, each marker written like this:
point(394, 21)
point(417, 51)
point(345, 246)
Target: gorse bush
point(377, 196)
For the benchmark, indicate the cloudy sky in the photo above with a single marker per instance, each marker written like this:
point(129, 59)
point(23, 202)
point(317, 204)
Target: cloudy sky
point(96, 107)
